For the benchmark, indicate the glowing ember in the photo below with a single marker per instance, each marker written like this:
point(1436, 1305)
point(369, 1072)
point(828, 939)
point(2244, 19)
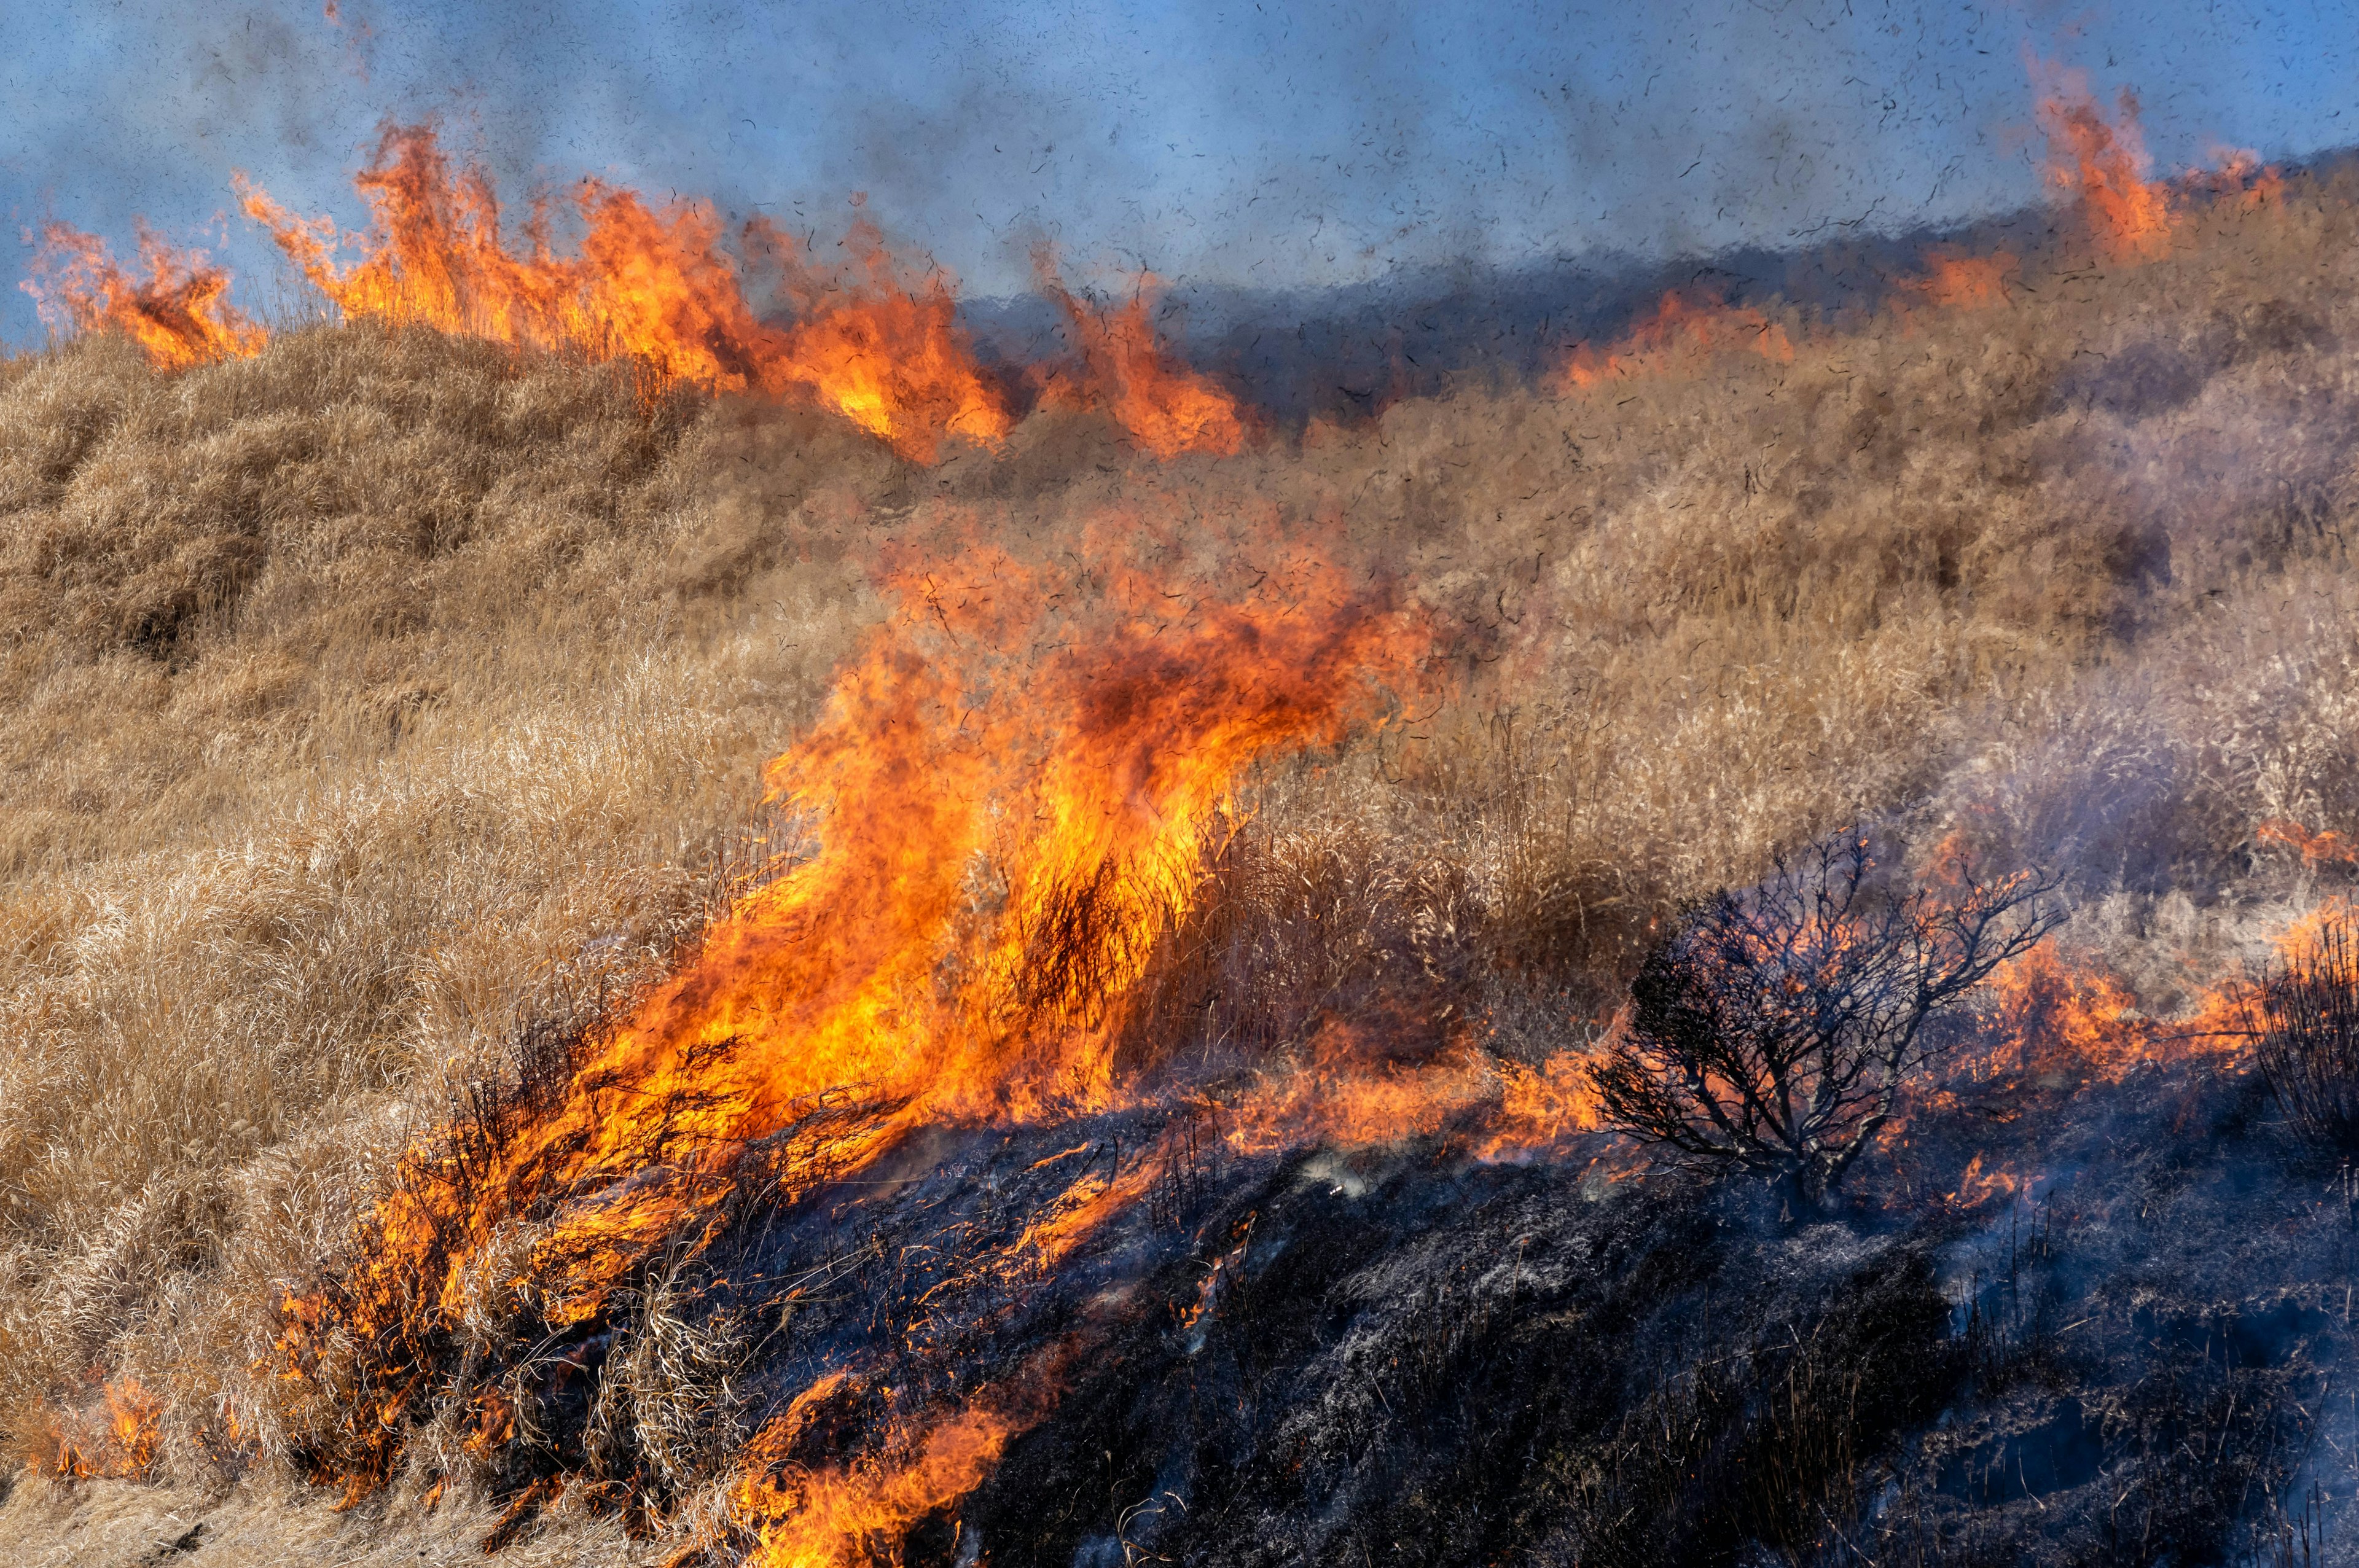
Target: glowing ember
point(178, 313)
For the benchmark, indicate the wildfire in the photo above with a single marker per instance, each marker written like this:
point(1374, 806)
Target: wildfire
point(2102, 164)
point(1085, 794)
point(657, 284)
point(118, 1438)
point(1954, 281)
point(1680, 331)
point(178, 313)
point(1125, 370)
point(833, 1517)
point(2327, 848)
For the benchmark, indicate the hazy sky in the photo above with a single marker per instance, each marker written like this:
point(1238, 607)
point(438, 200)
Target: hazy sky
point(1229, 141)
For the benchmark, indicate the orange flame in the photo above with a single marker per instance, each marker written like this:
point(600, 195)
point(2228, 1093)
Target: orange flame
point(1091, 794)
point(179, 313)
point(2327, 848)
point(1128, 371)
point(1350, 1091)
point(1679, 330)
point(2102, 164)
point(654, 284)
point(1954, 281)
point(1977, 1187)
point(838, 1517)
point(2239, 179)
point(117, 1439)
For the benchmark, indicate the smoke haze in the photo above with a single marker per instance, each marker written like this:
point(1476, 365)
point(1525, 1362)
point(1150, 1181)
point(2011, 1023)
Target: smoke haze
point(1261, 146)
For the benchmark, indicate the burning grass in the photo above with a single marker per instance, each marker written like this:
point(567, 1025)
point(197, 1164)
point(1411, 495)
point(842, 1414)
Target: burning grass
point(604, 957)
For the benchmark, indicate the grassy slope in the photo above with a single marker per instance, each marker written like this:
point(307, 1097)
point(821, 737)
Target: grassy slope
point(358, 695)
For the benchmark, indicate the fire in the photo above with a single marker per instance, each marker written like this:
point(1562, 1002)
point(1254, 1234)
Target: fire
point(2074, 1018)
point(117, 1439)
point(1350, 1091)
point(2327, 848)
point(833, 1517)
point(657, 286)
point(1954, 281)
point(2102, 164)
point(1085, 794)
point(2238, 178)
point(1127, 371)
point(1977, 1187)
point(1680, 329)
point(179, 313)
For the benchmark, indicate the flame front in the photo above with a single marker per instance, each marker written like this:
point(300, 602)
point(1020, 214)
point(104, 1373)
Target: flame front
point(178, 313)
point(655, 285)
point(994, 858)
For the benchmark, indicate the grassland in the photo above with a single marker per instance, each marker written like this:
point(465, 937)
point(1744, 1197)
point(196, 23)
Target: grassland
point(367, 699)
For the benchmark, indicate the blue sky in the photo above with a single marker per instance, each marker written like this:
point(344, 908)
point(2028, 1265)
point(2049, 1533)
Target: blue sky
point(1229, 141)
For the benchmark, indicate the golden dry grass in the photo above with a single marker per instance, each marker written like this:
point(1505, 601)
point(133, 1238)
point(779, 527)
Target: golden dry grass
point(370, 697)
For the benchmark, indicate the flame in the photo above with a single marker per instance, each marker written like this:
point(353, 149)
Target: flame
point(2327, 848)
point(1680, 329)
point(1128, 371)
point(1977, 1187)
point(119, 1439)
point(1954, 281)
point(2239, 179)
point(836, 1516)
point(2052, 1014)
point(2102, 164)
point(1351, 1090)
point(1087, 792)
point(1224, 1268)
point(179, 313)
point(654, 284)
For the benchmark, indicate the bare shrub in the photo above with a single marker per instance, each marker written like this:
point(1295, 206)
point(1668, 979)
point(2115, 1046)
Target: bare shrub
point(2304, 1018)
point(1773, 1031)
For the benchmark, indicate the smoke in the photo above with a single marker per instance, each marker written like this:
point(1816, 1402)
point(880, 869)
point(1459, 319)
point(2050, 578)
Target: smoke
point(1265, 148)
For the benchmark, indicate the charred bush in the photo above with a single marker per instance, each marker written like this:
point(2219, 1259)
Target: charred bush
point(1772, 1032)
point(2305, 1022)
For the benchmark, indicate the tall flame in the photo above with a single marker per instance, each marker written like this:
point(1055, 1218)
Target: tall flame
point(1127, 370)
point(657, 284)
point(995, 858)
point(179, 313)
point(2102, 164)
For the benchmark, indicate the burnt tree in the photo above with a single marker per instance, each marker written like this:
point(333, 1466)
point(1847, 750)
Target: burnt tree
point(1771, 1033)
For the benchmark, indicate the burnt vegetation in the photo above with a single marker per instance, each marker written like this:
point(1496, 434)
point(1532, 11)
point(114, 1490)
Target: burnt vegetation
point(1883, 774)
point(1773, 1033)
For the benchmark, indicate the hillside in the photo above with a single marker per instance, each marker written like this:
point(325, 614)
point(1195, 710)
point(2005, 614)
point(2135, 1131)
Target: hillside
point(635, 974)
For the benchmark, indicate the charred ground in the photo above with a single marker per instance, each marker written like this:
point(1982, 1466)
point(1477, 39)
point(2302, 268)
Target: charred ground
point(384, 707)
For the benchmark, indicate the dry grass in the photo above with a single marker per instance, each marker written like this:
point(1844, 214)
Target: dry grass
point(367, 697)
